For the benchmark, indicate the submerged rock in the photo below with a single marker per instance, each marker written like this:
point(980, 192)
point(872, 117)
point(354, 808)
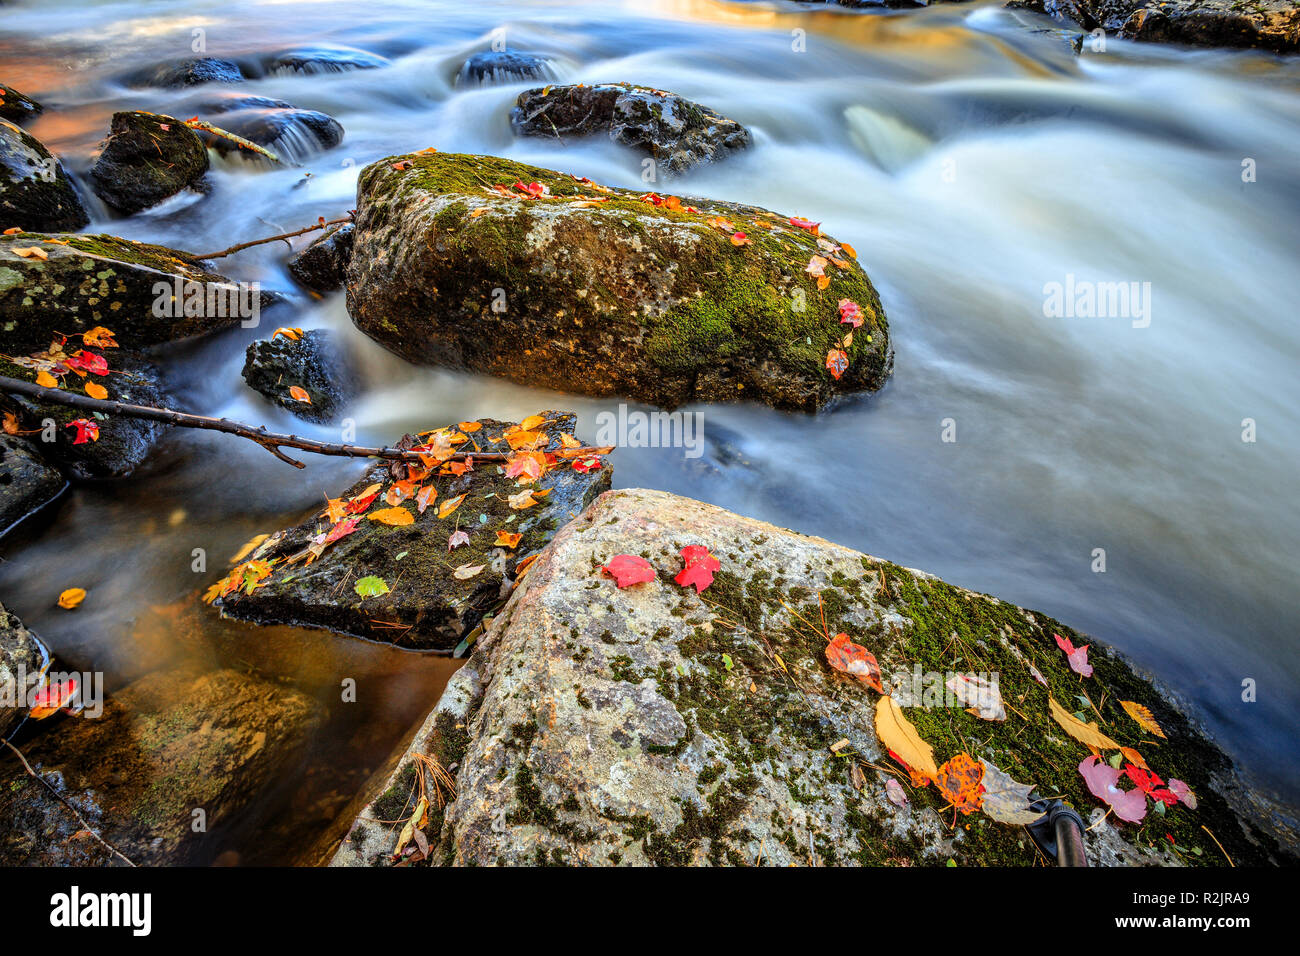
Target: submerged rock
point(604, 291)
point(323, 265)
point(147, 158)
point(415, 597)
point(130, 287)
point(1272, 25)
point(22, 659)
point(27, 483)
point(16, 107)
point(166, 746)
point(187, 72)
point(35, 191)
point(503, 66)
point(292, 134)
point(312, 362)
point(123, 443)
point(325, 59)
point(676, 132)
point(653, 725)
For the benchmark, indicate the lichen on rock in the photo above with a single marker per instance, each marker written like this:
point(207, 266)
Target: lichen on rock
point(604, 291)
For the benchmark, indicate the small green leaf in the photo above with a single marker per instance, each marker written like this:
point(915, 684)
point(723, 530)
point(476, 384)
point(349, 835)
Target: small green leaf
point(1116, 759)
point(371, 586)
point(952, 862)
point(400, 555)
point(726, 661)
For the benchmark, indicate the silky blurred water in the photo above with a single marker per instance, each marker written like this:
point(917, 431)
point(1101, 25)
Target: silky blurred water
point(968, 159)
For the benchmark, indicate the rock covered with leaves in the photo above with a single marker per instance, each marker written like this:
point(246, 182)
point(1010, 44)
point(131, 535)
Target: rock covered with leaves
point(147, 158)
point(675, 684)
point(553, 281)
point(35, 191)
point(418, 555)
point(22, 660)
point(166, 745)
point(677, 133)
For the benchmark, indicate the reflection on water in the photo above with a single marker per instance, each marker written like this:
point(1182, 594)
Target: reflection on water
point(968, 160)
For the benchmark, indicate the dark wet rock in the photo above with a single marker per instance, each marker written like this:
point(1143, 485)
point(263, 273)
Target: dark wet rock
point(1271, 25)
point(22, 660)
point(27, 482)
point(35, 191)
point(226, 102)
point(147, 158)
point(596, 725)
point(323, 265)
point(187, 72)
point(16, 107)
point(91, 280)
point(123, 444)
point(167, 745)
point(503, 66)
point(313, 362)
point(325, 59)
point(676, 132)
point(614, 297)
point(292, 134)
point(425, 606)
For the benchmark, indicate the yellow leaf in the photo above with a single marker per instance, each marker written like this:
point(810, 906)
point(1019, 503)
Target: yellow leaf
point(291, 334)
point(532, 422)
point(96, 391)
point(849, 250)
point(46, 379)
point(469, 426)
point(1088, 734)
point(1144, 717)
point(897, 733)
point(392, 516)
point(30, 252)
point(450, 505)
point(1133, 757)
point(507, 540)
point(99, 337)
point(71, 598)
point(478, 212)
point(299, 393)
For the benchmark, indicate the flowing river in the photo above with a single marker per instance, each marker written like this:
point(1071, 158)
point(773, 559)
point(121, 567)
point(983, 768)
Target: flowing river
point(970, 160)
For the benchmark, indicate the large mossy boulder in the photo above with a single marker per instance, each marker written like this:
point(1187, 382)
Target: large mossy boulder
point(653, 725)
point(148, 157)
point(23, 659)
point(27, 482)
point(411, 584)
point(605, 291)
point(35, 191)
point(78, 282)
point(168, 745)
point(677, 133)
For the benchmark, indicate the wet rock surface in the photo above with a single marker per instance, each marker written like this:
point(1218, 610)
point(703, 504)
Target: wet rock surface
point(651, 725)
point(16, 107)
point(193, 71)
point(312, 362)
point(90, 280)
point(165, 746)
point(292, 134)
point(323, 265)
point(324, 59)
point(147, 158)
point(674, 131)
point(604, 291)
point(491, 67)
point(422, 604)
point(123, 443)
point(1271, 25)
point(22, 659)
point(27, 482)
point(35, 191)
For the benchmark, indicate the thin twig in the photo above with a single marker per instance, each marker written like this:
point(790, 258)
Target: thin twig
point(257, 242)
point(75, 812)
point(271, 441)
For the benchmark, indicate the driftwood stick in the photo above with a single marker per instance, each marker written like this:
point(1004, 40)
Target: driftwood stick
point(271, 441)
point(322, 224)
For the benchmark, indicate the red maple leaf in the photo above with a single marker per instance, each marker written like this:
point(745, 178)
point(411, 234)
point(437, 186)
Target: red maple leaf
point(628, 569)
point(88, 362)
point(699, 568)
point(850, 313)
point(86, 430)
point(1146, 780)
point(586, 464)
